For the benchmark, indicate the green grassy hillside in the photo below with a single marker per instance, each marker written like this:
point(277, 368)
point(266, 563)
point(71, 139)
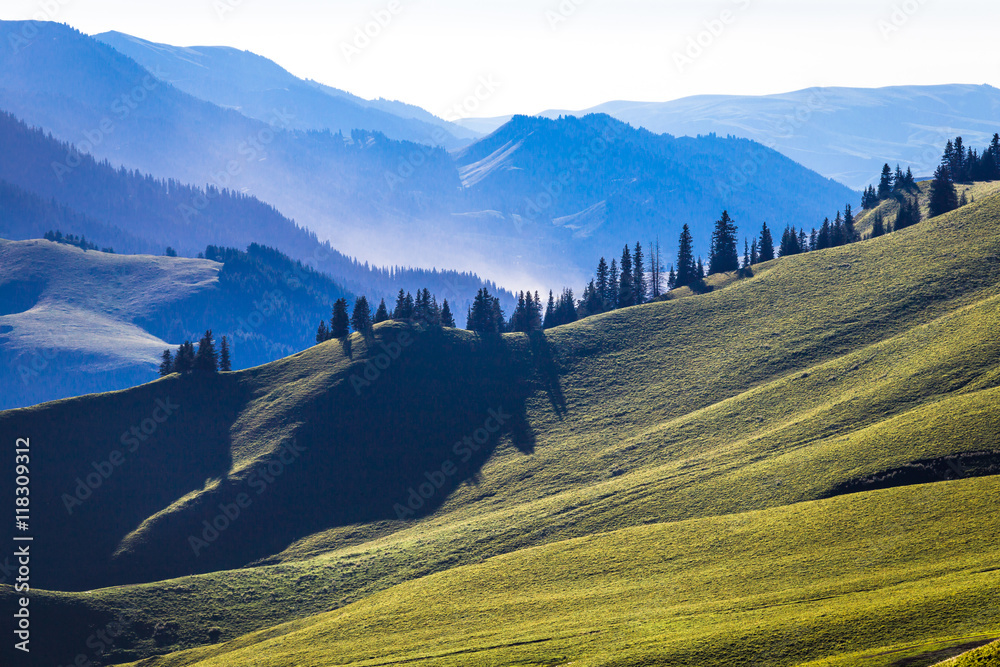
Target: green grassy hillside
point(833, 392)
point(782, 586)
point(983, 657)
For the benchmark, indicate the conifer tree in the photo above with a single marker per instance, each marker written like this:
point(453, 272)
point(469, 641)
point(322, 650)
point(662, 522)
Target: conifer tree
point(699, 271)
point(167, 365)
point(885, 183)
point(603, 282)
point(322, 333)
point(399, 312)
point(626, 285)
point(340, 322)
point(943, 196)
point(534, 305)
point(639, 286)
point(657, 286)
point(850, 233)
point(485, 315)
point(206, 360)
point(686, 269)
point(550, 312)
point(184, 360)
point(766, 246)
point(382, 314)
point(724, 256)
point(225, 360)
point(361, 318)
point(746, 253)
point(447, 319)
point(671, 279)
point(613, 286)
point(878, 227)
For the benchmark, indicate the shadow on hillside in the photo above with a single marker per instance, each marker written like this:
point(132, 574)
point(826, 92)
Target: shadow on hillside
point(548, 371)
point(103, 464)
point(391, 443)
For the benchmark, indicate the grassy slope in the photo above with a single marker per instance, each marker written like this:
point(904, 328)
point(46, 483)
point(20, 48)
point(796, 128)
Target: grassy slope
point(743, 399)
point(983, 657)
point(781, 586)
point(890, 208)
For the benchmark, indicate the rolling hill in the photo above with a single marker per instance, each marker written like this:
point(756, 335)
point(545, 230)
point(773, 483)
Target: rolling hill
point(846, 134)
point(76, 322)
point(769, 473)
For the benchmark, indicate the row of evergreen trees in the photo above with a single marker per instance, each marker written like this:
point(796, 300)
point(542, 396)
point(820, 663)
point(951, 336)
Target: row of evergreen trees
point(966, 164)
point(80, 242)
point(423, 309)
point(203, 360)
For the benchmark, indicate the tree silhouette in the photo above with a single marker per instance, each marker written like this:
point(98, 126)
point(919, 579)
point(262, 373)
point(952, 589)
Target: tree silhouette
point(361, 318)
point(206, 360)
point(340, 322)
point(225, 362)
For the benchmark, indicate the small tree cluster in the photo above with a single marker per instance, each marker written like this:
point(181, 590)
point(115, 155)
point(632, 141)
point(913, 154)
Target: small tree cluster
point(890, 185)
point(966, 164)
point(80, 242)
point(204, 359)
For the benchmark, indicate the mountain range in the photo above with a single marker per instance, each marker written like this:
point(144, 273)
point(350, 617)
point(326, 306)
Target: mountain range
point(393, 202)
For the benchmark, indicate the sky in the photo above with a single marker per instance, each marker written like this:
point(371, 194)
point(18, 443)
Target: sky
point(495, 57)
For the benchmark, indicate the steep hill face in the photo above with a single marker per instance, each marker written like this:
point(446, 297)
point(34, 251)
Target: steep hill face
point(871, 362)
point(843, 133)
point(256, 86)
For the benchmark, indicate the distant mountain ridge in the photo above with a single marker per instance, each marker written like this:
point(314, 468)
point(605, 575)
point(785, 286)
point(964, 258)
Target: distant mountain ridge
point(393, 203)
point(844, 133)
point(256, 86)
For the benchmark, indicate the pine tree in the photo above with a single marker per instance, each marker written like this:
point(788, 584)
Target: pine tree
point(943, 196)
point(657, 271)
point(825, 237)
point(885, 183)
point(878, 227)
point(550, 312)
point(534, 305)
point(850, 233)
point(206, 360)
point(184, 360)
point(322, 333)
point(603, 283)
point(340, 322)
point(167, 365)
point(361, 318)
point(225, 360)
point(699, 271)
point(754, 254)
point(994, 152)
point(685, 273)
point(613, 286)
point(626, 285)
point(485, 315)
point(382, 314)
point(639, 286)
point(671, 279)
point(399, 312)
point(447, 319)
point(766, 246)
point(746, 253)
point(724, 256)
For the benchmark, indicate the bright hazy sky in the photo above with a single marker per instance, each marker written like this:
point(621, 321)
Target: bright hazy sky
point(572, 54)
